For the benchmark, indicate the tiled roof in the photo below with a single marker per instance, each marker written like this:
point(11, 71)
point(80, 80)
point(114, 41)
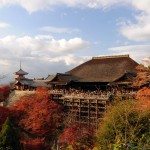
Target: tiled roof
point(21, 72)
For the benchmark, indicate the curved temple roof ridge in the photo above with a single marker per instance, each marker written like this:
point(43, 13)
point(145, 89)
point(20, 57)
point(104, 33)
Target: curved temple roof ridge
point(112, 56)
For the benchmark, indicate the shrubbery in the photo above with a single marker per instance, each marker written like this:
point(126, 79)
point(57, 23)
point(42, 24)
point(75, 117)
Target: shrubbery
point(9, 139)
point(4, 113)
point(124, 127)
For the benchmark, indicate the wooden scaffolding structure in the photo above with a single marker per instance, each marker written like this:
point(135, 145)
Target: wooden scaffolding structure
point(88, 110)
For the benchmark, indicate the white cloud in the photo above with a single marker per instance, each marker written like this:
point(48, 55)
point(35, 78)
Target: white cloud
point(41, 66)
point(4, 25)
point(51, 29)
point(28, 46)
point(141, 5)
point(139, 31)
point(52, 55)
point(146, 61)
point(138, 52)
point(4, 62)
point(35, 5)
point(69, 59)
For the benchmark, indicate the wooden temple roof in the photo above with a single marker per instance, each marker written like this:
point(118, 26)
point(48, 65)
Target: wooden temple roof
point(31, 82)
point(104, 69)
point(61, 79)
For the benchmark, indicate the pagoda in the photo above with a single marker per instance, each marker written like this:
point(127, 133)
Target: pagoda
point(20, 74)
point(21, 82)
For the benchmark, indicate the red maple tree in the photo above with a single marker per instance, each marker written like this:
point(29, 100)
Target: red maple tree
point(38, 115)
point(143, 99)
point(4, 92)
point(79, 136)
point(33, 144)
point(143, 76)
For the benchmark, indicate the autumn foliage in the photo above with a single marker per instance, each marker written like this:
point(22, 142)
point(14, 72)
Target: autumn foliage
point(33, 144)
point(124, 127)
point(4, 92)
point(143, 76)
point(143, 99)
point(78, 136)
point(38, 116)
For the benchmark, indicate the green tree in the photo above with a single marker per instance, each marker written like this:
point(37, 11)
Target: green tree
point(9, 139)
point(125, 128)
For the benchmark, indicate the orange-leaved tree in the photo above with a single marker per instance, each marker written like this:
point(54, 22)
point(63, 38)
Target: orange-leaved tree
point(143, 76)
point(78, 136)
point(38, 115)
point(143, 99)
point(33, 144)
point(4, 92)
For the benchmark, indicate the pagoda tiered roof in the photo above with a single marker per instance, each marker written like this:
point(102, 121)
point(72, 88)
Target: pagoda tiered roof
point(21, 72)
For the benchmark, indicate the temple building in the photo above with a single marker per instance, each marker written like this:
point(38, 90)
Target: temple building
point(23, 83)
point(98, 73)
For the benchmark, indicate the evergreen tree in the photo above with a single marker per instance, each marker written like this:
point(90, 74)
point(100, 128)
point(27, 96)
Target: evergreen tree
point(9, 139)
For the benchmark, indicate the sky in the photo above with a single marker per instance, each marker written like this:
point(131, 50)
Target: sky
point(51, 36)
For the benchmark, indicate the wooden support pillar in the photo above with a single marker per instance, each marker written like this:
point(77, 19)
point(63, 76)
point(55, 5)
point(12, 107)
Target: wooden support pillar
point(96, 113)
point(79, 110)
point(89, 112)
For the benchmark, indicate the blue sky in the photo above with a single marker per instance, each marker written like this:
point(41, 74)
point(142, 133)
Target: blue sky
point(54, 36)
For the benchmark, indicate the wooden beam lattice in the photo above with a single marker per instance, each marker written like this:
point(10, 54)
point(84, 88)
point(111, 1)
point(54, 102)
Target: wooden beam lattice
point(86, 110)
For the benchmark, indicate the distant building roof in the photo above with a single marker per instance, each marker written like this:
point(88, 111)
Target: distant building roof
point(61, 78)
point(104, 69)
point(21, 72)
point(24, 82)
point(32, 83)
point(50, 77)
point(39, 83)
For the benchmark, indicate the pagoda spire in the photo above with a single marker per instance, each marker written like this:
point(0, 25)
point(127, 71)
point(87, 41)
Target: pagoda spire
point(20, 64)
point(21, 72)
